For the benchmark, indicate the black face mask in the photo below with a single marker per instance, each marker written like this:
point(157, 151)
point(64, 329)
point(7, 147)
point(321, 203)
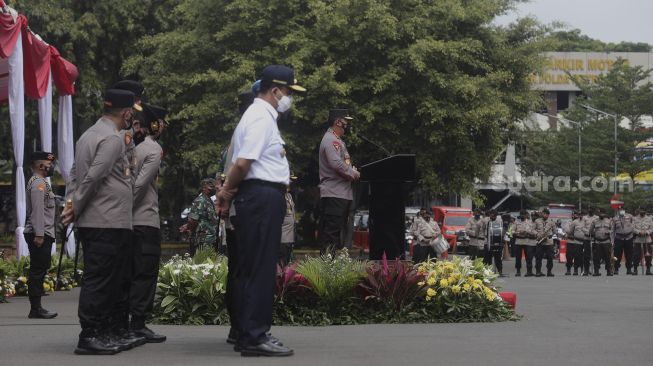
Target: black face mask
point(129, 122)
point(50, 171)
point(139, 137)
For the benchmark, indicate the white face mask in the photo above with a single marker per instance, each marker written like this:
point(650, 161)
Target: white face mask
point(284, 103)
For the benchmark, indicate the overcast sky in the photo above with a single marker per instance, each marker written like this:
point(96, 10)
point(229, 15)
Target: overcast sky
point(605, 20)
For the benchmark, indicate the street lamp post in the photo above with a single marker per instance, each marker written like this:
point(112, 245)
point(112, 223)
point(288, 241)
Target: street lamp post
point(580, 144)
point(614, 116)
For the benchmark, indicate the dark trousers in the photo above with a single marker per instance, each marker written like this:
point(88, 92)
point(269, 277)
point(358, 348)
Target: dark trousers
point(232, 255)
point(39, 263)
point(285, 253)
point(623, 248)
point(146, 257)
point(473, 251)
point(541, 252)
point(422, 252)
point(529, 252)
point(646, 249)
point(261, 208)
point(103, 279)
point(574, 256)
point(587, 255)
point(496, 253)
point(602, 252)
point(334, 214)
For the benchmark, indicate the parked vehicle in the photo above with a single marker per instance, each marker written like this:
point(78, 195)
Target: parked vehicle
point(452, 221)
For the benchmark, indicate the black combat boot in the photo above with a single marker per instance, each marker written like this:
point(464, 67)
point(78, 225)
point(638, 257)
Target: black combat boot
point(648, 271)
point(518, 273)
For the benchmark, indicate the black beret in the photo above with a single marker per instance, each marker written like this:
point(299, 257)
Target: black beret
point(339, 113)
point(152, 113)
point(42, 155)
point(131, 85)
point(117, 98)
point(282, 75)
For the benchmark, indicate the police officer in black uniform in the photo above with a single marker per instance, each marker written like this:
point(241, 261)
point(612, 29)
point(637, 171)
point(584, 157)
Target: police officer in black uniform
point(39, 229)
point(147, 223)
point(101, 189)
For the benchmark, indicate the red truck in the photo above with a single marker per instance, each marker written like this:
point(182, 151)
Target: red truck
point(452, 221)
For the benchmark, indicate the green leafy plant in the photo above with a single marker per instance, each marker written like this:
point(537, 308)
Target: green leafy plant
point(396, 284)
point(332, 278)
point(192, 293)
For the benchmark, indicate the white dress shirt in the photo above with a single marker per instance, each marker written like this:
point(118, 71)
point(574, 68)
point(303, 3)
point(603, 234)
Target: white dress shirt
point(257, 138)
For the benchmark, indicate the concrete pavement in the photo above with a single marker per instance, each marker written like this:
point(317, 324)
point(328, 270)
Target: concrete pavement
point(567, 321)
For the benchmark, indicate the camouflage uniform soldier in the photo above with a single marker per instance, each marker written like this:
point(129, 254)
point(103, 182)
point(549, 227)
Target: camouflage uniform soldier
point(202, 219)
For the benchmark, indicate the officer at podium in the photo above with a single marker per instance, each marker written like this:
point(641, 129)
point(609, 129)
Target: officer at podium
point(336, 177)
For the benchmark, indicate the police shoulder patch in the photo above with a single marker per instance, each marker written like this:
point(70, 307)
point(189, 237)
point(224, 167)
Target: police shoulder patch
point(336, 145)
point(41, 187)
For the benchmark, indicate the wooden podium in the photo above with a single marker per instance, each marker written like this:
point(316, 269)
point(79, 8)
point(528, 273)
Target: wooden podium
point(387, 224)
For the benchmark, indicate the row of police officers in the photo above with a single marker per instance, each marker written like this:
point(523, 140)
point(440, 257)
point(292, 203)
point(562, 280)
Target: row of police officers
point(114, 205)
point(592, 238)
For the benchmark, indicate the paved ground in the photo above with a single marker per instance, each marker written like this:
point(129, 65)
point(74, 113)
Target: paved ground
point(567, 321)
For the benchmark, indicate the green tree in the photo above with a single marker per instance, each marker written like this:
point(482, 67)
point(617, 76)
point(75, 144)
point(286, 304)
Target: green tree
point(623, 92)
point(575, 41)
point(432, 78)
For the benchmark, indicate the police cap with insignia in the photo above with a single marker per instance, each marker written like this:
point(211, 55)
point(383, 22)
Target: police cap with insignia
point(281, 75)
point(42, 155)
point(336, 113)
point(153, 113)
point(134, 87)
point(118, 98)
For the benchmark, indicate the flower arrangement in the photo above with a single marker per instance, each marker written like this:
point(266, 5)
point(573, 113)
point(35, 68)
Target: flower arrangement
point(189, 292)
point(463, 289)
point(15, 271)
point(330, 290)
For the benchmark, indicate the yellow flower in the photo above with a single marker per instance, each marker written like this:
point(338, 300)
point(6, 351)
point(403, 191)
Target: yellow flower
point(428, 298)
point(421, 283)
point(455, 289)
point(22, 279)
point(489, 296)
point(430, 292)
point(431, 281)
point(444, 283)
point(466, 287)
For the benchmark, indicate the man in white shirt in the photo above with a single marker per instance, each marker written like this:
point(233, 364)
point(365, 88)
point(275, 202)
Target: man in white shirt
point(256, 182)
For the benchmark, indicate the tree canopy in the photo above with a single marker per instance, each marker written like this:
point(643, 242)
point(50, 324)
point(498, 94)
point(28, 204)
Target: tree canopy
point(435, 78)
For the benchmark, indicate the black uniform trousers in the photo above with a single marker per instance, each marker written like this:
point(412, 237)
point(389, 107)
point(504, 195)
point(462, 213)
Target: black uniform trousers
point(39, 263)
point(232, 255)
point(474, 252)
point(529, 252)
point(602, 252)
point(638, 249)
point(334, 215)
point(146, 257)
point(587, 255)
point(423, 252)
point(541, 252)
point(260, 208)
point(574, 256)
point(624, 248)
point(105, 251)
point(494, 252)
